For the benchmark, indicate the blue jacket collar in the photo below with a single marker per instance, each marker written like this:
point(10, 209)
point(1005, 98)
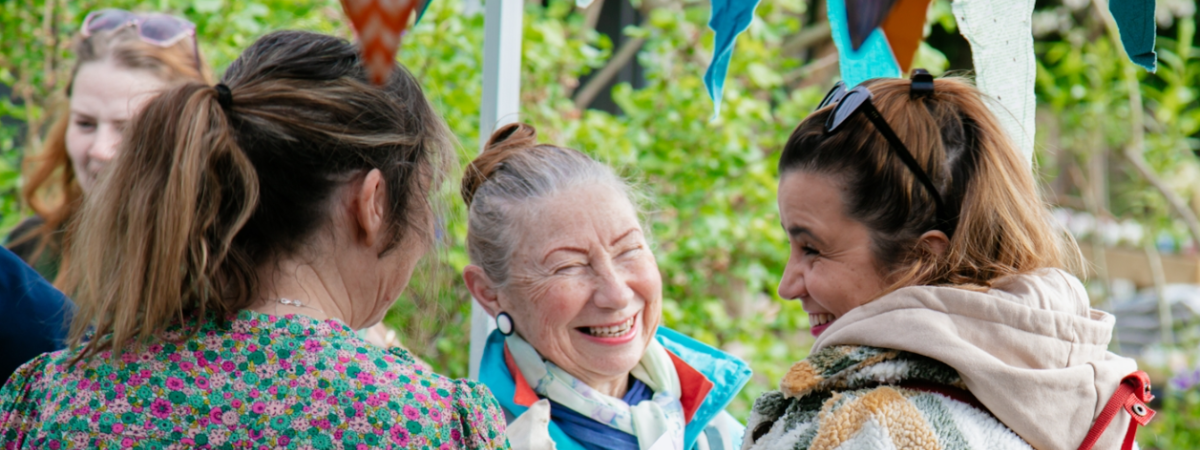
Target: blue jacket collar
point(727, 373)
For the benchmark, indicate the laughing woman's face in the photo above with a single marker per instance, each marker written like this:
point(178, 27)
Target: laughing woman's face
point(584, 289)
point(831, 268)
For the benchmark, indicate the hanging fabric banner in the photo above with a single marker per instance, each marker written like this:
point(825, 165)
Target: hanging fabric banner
point(379, 24)
point(863, 17)
point(905, 29)
point(873, 59)
point(1001, 38)
point(1135, 21)
point(729, 19)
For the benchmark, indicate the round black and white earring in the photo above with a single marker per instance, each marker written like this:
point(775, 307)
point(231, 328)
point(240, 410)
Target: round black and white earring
point(504, 323)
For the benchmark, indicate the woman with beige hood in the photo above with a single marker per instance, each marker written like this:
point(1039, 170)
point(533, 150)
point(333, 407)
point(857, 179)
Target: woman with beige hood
point(936, 287)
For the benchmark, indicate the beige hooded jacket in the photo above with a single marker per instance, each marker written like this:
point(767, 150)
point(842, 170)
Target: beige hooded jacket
point(1031, 350)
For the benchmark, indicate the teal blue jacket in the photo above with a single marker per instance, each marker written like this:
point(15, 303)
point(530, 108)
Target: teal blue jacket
point(727, 373)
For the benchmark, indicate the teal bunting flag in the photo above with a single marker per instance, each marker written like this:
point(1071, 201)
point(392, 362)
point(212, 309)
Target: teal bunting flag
point(1135, 21)
point(421, 8)
point(874, 59)
point(729, 19)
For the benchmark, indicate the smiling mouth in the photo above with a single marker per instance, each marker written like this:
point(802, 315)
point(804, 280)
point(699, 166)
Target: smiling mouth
point(612, 331)
point(819, 319)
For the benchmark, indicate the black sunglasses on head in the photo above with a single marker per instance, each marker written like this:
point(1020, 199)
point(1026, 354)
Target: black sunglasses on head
point(847, 102)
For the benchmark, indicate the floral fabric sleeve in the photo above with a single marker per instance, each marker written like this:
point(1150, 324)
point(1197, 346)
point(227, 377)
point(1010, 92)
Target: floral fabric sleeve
point(481, 416)
point(18, 410)
point(260, 381)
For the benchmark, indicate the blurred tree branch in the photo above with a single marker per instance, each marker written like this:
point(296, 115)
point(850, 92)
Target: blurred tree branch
point(619, 60)
point(817, 33)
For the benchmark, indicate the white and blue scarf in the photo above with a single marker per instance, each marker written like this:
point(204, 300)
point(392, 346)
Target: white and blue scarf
point(658, 423)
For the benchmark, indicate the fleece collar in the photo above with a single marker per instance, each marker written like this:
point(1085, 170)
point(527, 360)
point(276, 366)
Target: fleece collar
point(1031, 349)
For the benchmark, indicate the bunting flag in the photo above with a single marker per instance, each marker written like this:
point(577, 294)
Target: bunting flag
point(872, 59)
point(379, 24)
point(729, 19)
point(863, 17)
point(1001, 38)
point(1135, 21)
point(905, 29)
point(902, 22)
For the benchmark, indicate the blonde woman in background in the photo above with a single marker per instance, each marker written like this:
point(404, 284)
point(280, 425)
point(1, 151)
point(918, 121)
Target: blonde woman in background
point(122, 60)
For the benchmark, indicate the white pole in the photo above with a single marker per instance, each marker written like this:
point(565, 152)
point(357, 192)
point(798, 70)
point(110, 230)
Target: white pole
point(500, 105)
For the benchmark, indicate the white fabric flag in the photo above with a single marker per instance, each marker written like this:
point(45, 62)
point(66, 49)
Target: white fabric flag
point(1001, 37)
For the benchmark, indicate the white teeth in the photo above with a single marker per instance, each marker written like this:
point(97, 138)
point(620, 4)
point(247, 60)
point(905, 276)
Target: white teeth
point(819, 319)
point(613, 331)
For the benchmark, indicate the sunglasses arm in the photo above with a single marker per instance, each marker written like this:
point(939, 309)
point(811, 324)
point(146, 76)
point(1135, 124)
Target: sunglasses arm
point(902, 152)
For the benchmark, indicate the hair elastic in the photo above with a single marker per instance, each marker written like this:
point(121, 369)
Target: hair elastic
point(922, 83)
point(224, 96)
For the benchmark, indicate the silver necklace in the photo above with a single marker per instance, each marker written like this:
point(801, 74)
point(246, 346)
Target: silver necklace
point(296, 303)
point(300, 304)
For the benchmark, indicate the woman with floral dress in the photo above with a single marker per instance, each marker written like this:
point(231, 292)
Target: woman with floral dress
point(222, 263)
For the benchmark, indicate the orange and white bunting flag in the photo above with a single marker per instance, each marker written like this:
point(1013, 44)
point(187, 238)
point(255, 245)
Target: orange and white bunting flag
point(379, 24)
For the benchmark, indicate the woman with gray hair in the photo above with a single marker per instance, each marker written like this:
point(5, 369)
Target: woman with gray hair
point(579, 361)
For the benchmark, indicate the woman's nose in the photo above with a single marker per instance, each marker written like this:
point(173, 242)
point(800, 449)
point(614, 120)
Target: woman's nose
point(104, 148)
point(614, 291)
point(791, 285)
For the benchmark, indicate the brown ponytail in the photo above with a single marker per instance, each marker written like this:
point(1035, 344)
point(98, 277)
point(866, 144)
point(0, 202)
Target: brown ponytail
point(202, 195)
point(180, 192)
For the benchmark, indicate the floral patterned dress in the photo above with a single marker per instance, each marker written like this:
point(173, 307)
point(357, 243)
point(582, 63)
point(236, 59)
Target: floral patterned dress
point(259, 381)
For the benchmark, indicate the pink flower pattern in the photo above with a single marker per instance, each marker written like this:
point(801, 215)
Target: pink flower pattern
point(259, 381)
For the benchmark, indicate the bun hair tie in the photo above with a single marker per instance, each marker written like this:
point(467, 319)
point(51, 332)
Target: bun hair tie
point(224, 96)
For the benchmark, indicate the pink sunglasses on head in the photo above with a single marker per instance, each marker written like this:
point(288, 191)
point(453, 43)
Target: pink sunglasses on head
point(159, 29)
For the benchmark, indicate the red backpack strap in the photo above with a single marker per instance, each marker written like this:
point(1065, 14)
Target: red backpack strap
point(1132, 396)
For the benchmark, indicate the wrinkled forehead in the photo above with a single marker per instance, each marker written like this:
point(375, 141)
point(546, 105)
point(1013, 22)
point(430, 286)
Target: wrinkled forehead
point(585, 216)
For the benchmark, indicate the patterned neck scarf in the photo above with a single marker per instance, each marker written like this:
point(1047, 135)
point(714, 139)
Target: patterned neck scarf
point(658, 423)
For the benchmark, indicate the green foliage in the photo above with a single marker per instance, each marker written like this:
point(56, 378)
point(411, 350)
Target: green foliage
point(1175, 425)
point(1084, 88)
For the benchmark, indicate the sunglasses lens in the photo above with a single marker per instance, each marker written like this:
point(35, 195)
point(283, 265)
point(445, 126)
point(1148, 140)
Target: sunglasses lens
point(108, 19)
point(835, 94)
point(164, 30)
point(847, 106)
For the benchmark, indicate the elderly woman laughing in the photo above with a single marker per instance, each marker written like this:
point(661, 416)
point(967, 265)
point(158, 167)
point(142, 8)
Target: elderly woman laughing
point(579, 361)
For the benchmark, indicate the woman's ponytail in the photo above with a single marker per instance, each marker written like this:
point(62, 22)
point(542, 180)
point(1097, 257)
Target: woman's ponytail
point(167, 212)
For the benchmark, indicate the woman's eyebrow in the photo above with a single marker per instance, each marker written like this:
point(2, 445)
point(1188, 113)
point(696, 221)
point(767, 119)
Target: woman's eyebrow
point(565, 248)
point(797, 231)
point(623, 236)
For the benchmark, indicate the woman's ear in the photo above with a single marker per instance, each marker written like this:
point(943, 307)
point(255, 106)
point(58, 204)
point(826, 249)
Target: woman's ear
point(936, 241)
point(482, 289)
point(369, 208)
